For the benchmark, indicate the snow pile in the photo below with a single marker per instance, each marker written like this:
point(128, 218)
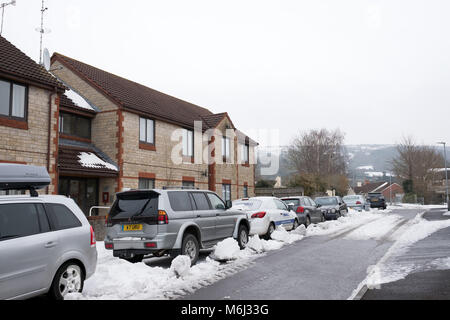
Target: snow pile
point(90, 160)
point(181, 265)
point(227, 249)
point(441, 264)
point(280, 234)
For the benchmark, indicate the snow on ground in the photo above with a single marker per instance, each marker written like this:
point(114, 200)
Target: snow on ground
point(117, 279)
point(388, 270)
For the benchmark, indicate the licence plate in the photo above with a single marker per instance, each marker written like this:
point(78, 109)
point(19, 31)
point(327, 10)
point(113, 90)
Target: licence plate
point(133, 227)
point(375, 199)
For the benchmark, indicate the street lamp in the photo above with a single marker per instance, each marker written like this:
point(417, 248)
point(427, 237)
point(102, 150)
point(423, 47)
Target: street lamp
point(3, 5)
point(446, 175)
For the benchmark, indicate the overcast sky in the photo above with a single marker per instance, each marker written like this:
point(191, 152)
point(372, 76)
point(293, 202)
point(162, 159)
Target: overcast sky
point(377, 70)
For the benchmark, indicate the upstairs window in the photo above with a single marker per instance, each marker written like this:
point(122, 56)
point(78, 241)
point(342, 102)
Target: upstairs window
point(188, 143)
point(74, 125)
point(13, 100)
point(147, 131)
point(226, 149)
point(245, 153)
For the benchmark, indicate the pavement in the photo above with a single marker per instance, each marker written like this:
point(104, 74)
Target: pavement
point(316, 268)
point(425, 282)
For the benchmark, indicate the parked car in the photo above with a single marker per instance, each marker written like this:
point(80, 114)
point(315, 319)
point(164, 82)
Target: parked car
point(47, 245)
point(266, 214)
point(377, 200)
point(161, 221)
point(306, 209)
point(332, 207)
point(357, 202)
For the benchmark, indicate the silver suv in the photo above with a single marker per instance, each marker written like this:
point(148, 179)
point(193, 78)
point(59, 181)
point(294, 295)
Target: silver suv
point(46, 243)
point(159, 222)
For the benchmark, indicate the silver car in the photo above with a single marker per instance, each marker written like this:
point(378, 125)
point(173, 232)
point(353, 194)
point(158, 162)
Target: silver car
point(160, 221)
point(357, 202)
point(46, 246)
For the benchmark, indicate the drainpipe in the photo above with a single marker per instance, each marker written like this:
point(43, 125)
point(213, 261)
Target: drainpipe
point(50, 96)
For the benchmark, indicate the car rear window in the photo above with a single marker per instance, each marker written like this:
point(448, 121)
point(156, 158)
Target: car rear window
point(247, 205)
point(352, 198)
point(135, 204)
point(62, 217)
point(18, 220)
point(326, 201)
point(180, 201)
point(296, 202)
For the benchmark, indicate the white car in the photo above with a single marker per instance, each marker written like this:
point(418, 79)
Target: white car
point(266, 214)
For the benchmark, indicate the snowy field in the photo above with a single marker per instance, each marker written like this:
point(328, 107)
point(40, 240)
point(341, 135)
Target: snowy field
point(117, 279)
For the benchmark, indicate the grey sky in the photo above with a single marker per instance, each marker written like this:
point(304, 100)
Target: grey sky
point(375, 69)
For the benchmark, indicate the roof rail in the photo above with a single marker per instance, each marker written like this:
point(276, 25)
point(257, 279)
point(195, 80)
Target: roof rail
point(23, 177)
point(182, 188)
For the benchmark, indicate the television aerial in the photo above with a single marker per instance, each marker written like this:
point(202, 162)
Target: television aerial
point(3, 5)
point(42, 30)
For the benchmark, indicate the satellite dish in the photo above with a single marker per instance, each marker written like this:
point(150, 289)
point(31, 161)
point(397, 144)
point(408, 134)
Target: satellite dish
point(46, 59)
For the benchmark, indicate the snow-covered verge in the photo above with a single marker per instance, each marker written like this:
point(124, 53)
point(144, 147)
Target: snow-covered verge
point(117, 279)
point(388, 269)
point(421, 206)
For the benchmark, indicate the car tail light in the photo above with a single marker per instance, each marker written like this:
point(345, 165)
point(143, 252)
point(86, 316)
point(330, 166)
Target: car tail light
point(109, 246)
point(300, 210)
point(259, 215)
point(163, 218)
point(150, 244)
point(358, 202)
point(93, 241)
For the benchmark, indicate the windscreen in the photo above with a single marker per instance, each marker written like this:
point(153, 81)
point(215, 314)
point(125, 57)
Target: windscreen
point(248, 205)
point(135, 204)
point(326, 201)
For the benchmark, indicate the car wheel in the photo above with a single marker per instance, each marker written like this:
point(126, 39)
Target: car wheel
point(190, 247)
point(242, 236)
point(308, 221)
point(270, 231)
point(295, 226)
point(68, 279)
point(323, 218)
point(136, 259)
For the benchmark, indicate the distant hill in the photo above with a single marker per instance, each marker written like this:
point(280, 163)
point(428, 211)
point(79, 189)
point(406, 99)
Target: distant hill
point(366, 162)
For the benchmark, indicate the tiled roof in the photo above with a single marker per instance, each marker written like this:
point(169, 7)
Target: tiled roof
point(68, 103)
point(212, 120)
point(70, 162)
point(369, 187)
point(134, 96)
point(17, 64)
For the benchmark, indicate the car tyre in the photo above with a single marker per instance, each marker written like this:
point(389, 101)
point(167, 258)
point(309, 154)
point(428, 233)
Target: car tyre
point(242, 236)
point(296, 224)
point(270, 230)
point(68, 279)
point(308, 221)
point(323, 219)
point(190, 247)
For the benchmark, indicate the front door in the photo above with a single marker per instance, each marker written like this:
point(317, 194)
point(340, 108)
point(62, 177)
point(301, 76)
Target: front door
point(84, 191)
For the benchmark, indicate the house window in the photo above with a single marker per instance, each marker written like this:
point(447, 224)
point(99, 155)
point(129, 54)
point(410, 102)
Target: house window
point(74, 125)
point(146, 130)
point(245, 191)
point(13, 100)
point(226, 149)
point(188, 143)
point(188, 184)
point(245, 153)
point(146, 184)
point(226, 192)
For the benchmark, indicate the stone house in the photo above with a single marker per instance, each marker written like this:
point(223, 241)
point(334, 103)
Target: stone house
point(29, 112)
point(143, 138)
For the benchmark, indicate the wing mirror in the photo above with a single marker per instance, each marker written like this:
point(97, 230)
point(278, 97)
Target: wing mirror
point(290, 207)
point(319, 205)
point(228, 204)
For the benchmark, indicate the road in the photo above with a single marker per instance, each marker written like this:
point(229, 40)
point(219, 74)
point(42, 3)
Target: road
point(319, 267)
point(426, 281)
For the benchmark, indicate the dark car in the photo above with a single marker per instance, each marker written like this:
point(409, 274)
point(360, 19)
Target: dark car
point(377, 200)
point(332, 207)
point(306, 209)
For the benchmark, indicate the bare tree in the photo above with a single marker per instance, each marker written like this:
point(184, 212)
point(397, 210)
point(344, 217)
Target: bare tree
point(418, 164)
point(320, 155)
